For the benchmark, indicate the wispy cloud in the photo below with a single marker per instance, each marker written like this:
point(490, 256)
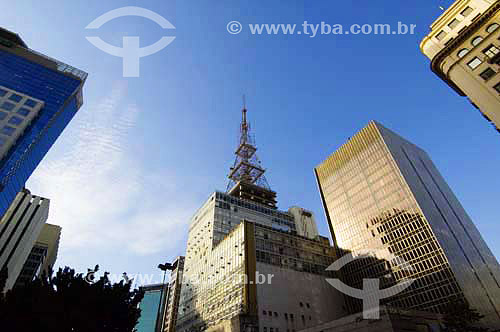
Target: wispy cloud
point(99, 192)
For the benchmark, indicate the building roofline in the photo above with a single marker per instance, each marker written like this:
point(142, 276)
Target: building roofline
point(12, 37)
point(476, 25)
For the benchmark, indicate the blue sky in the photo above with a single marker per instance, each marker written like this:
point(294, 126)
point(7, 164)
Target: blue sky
point(144, 153)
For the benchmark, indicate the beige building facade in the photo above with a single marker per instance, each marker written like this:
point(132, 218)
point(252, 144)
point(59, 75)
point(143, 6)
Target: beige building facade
point(43, 255)
point(20, 227)
point(464, 49)
point(173, 295)
point(247, 268)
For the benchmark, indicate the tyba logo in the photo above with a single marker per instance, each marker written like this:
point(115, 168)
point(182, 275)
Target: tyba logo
point(371, 294)
point(131, 52)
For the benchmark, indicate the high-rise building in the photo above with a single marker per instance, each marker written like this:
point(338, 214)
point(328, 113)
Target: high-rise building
point(246, 266)
point(20, 226)
point(43, 255)
point(151, 306)
point(383, 193)
point(173, 295)
point(38, 98)
point(464, 50)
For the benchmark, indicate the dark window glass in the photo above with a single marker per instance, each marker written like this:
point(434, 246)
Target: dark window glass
point(467, 11)
point(441, 35)
point(30, 103)
point(2, 92)
point(3, 115)
point(23, 111)
point(15, 120)
point(8, 106)
point(497, 87)
point(487, 74)
point(16, 98)
point(7, 130)
point(453, 23)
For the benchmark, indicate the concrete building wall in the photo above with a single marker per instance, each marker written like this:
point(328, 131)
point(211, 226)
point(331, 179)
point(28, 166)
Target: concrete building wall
point(305, 222)
point(391, 320)
point(294, 300)
point(50, 236)
point(19, 229)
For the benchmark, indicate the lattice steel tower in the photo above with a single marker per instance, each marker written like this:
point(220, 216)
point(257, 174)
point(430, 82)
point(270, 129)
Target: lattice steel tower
point(246, 177)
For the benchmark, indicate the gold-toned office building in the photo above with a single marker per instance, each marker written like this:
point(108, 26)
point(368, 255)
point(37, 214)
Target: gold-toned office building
point(464, 49)
point(383, 193)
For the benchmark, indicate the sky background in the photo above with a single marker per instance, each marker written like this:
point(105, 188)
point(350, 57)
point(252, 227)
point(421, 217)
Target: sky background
point(144, 153)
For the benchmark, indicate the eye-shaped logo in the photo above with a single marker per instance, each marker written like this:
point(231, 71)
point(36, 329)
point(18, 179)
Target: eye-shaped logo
point(131, 52)
point(371, 294)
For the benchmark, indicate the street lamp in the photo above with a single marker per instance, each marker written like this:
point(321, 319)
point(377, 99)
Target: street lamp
point(164, 267)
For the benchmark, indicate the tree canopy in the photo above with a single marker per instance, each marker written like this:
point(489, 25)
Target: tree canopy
point(460, 317)
point(70, 301)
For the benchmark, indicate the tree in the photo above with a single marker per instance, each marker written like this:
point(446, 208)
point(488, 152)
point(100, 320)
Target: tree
point(70, 302)
point(459, 317)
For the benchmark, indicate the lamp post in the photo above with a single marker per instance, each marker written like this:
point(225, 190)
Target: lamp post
point(164, 267)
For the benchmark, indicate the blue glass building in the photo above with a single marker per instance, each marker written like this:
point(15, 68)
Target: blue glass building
point(31, 82)
point(150, 304)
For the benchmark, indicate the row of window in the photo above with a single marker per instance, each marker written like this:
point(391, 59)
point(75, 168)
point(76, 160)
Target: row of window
point(17, 98)
point(477, 40)
point(487, 73)
point(285, 315)
point(454, 23)
point(272, 329)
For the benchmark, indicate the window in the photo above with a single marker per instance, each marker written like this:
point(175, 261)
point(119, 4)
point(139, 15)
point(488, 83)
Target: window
point(497, 87)
point(492, 27)
point(453, 24)
point(467, 11)
point(275, 314)
point(15, 120)
point(2, 92)
point(301, 304)
point(7, 130)
point(476, 41)
point(462, 52)
point(30, 103)
point(286, 316)
point(16, 98)
point(491, 51)
point(307, 305)
point(474, 63)
point(7, 106)
point(264, 312)
point(441, 35)
point(3, 115)
point(265, 329)
point(23, 111)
